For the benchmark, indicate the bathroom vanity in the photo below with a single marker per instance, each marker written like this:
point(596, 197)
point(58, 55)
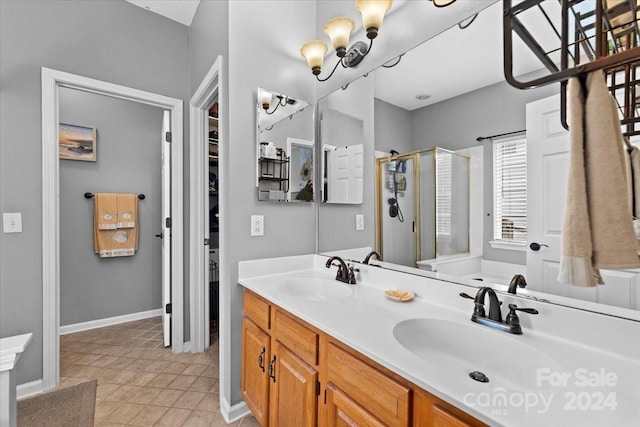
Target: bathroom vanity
point(321, 352)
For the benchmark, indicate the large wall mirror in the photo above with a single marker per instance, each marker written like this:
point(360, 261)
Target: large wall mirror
point(448, 94)
point(285, 149)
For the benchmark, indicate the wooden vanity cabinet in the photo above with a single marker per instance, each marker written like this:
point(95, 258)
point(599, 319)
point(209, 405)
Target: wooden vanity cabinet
point(359, 388)
point(279, 365)
point(295, 375)
point(256, 345)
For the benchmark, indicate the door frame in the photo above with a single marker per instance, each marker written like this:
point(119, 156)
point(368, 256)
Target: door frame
point(210, 88)
point(52, 80)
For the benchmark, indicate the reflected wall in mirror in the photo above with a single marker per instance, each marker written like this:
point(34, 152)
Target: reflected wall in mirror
point(285, 148)
point(423, 206)
point(443, 97)
point(346, 120)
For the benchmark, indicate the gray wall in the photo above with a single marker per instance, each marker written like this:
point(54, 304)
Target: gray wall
point(112, 41)
point(261, 58)
point(128, 161)
point(392, 127)
point(457, 122)
point(208, 38)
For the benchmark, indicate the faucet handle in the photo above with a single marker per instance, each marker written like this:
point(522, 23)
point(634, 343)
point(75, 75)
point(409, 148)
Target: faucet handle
point(513, 308)
point(513, 319)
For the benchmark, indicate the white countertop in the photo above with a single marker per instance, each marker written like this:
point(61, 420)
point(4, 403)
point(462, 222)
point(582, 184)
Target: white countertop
point(584, 367)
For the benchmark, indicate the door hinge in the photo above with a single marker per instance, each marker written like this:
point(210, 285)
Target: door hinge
point(206, 242)
point(167, 308)
point(167, 222)
point(167, 136)
point(317, 388)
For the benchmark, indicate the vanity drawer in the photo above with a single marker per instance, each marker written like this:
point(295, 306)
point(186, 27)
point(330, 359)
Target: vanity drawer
point(383, 397)
point(257, 309)
point(298, 338)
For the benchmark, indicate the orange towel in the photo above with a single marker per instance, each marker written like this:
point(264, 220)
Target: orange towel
point(127, 210)
point(106, 211)
point(114, 242)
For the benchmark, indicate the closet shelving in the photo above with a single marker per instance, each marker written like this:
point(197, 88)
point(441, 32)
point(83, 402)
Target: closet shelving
point(587, 36)
point(213, 148)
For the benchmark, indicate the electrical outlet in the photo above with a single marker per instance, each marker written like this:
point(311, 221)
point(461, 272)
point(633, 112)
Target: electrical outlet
point(257, 225)
point(359, 222)
point(12, 222)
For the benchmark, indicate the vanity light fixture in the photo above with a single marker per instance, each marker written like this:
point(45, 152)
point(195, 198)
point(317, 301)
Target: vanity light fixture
point(442, 3)
point(339, 29)
point(264, 98)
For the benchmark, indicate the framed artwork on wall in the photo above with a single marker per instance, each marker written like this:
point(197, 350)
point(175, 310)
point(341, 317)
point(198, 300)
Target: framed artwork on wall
point(77, 143)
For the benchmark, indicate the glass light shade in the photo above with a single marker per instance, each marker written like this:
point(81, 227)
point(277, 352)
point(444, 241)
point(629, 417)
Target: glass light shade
point(339, 29)
point(314, 52)
point(373, 12)
point(442, 3)
point(264, 98)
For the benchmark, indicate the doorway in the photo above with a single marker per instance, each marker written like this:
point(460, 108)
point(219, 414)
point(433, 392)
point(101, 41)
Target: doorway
point(52, 81)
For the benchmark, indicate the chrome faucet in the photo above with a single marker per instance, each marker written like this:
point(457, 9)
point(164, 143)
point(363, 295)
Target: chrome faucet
point(372, 253)
point(494, 320)
point(346, 274)
point(517, 281)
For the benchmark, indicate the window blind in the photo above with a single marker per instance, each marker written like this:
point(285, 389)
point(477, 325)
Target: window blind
point(443, 193)
point(510, 190)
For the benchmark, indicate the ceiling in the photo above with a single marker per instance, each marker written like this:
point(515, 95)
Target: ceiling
point(454, 62)
point(181, 11)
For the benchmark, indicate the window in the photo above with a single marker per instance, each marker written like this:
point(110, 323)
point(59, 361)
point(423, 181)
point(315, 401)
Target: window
point(510, 191)
point(443, 193)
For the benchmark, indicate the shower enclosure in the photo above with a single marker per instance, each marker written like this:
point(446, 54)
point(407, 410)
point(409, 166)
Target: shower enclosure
point(422, 205)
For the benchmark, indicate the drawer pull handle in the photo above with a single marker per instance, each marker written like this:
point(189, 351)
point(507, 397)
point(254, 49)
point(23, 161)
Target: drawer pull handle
point(261, 359)
point(272, 369)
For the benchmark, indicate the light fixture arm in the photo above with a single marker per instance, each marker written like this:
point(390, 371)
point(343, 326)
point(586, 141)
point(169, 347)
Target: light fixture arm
point(282, 101)
point(353, 57)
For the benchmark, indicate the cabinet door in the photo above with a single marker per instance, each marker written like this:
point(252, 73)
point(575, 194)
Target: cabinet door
point(342, 411)
point(387, 399)
point(431, 411)
point(293, 400)
point(255, 362)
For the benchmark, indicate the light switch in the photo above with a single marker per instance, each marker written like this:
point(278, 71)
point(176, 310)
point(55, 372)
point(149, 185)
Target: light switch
point(12, 222)
point(359, 222)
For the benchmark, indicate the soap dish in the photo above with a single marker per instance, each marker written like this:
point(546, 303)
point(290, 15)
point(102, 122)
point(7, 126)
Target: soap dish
point(400, 295)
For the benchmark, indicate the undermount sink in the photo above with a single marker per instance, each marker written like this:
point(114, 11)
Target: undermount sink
point(316, 289)
point(463, 348)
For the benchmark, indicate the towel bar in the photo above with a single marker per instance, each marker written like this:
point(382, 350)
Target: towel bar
point(90, 196)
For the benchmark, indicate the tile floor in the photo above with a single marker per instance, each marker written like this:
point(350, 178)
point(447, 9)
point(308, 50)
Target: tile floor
point(140, 383)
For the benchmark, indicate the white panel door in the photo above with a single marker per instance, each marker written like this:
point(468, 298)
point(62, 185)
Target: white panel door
point(166, 228)
point(547, 173)
point(547, 166)
point(346, 174)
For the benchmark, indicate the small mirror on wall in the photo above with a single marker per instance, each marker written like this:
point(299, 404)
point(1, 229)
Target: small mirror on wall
point(285, 148)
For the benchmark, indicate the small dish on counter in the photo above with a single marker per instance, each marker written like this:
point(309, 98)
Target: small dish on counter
point(400, 295)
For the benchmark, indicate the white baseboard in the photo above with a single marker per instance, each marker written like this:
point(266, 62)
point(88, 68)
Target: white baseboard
point(186, 347)
point(29, 389)
point(232, 413)
point(78, 327)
